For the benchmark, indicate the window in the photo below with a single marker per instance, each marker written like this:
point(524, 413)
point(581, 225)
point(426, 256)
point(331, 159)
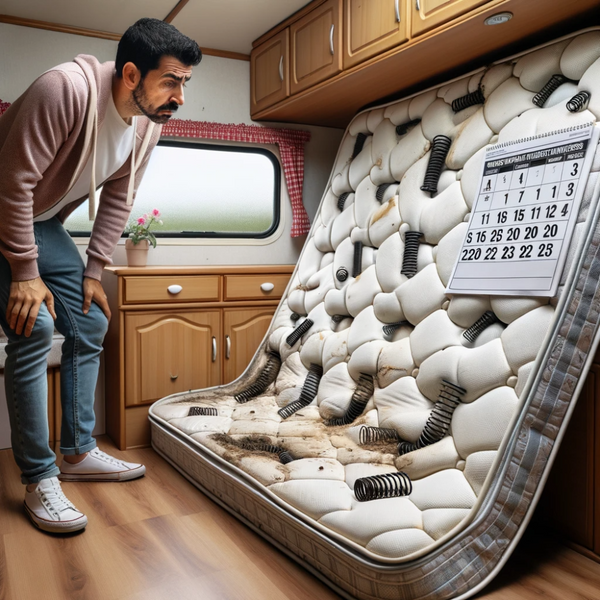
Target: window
point(205, 190)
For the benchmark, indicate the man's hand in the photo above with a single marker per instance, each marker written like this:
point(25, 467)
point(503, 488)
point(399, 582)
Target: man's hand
point(24, 303)
point(93, 291)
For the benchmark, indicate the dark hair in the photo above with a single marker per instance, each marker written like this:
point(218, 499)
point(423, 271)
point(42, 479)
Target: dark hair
point(148, 40)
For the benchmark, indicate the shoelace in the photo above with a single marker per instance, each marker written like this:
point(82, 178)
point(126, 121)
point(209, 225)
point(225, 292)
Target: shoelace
point(96, 453)
point(55, 500)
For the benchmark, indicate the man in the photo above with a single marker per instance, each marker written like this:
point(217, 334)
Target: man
point(80, 125)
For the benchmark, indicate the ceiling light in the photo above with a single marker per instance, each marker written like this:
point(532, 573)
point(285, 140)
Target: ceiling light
point(498, 18)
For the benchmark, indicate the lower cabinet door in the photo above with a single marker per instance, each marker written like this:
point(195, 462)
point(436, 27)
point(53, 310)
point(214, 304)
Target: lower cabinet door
point(167, 353)
point(244, 329)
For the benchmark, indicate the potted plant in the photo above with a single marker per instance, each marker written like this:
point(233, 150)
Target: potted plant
point(141, 238)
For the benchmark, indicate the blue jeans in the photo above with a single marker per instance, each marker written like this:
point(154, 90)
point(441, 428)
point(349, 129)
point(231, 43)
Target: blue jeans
point(61, 268)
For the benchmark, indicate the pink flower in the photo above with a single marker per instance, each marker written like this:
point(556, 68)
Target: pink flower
point(156, 212)
point(141, 221)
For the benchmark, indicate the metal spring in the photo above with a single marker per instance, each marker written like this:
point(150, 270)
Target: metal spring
point(487, 318)
point(284, 456)
point(370, 435)
point(265, 379)
point(579, 102)
point(406, 127)
point(467, 100)
point(437, 158)
point(299, 332)
point(203, 411)
point(309, 391)
point(357, 265)
point(358, 144)
point(553, 84)
point(360, 399)
point(294, 316)
point(438, 422)
point(412, 240)
point(391, 327)
point(341, 274)
point(381, 191)
point(342, 200)
point(388, 485)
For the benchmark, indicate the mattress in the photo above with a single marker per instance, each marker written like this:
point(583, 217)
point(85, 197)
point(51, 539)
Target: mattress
point(396, 426)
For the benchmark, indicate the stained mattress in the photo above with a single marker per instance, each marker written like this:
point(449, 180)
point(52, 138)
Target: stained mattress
point(390, 436)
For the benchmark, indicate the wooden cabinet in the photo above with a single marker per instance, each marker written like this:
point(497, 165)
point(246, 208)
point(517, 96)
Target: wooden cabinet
point(170, 351)
point(427, 14)
point(371, 27)
point(434, 41)
point(315, 46)
point(243, 330)
point(269, 65)
point(176, 329)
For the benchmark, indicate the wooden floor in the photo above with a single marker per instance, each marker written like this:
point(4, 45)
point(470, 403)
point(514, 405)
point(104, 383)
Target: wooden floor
point(159, 538)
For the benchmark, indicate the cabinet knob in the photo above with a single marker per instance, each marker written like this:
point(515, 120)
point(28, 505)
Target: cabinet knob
point(174, 377)
point(174, 289)
point(267, 287)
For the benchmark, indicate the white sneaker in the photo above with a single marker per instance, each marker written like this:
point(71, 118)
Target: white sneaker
point(50, 510)
point(99, 466)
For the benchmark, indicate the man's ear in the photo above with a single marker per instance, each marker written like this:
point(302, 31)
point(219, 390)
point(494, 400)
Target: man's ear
point(131, 76)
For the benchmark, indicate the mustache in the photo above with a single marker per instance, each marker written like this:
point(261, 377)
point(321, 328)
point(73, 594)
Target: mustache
point(172, 106)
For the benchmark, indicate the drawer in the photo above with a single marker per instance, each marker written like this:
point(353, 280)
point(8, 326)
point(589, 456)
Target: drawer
point(156, 289)
point(248, 287)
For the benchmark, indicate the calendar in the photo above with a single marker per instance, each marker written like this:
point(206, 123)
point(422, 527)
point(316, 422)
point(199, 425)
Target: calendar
point(523, 217)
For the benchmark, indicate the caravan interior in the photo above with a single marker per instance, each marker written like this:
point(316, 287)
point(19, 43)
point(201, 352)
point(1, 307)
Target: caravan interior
point(368, 330)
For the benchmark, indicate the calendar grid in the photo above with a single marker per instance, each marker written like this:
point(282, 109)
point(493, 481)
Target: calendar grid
point(524, 214)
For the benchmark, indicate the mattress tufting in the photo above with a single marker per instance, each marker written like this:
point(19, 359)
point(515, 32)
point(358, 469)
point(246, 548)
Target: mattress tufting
point(389, 435)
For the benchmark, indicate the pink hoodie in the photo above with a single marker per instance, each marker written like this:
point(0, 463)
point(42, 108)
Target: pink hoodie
point(46, 137)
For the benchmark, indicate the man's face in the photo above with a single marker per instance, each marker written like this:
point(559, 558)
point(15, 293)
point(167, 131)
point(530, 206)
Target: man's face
point(160, 93)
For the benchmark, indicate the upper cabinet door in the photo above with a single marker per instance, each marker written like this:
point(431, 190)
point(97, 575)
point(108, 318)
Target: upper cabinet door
point(371, 27)
point(431, 13)
point(316, 43)
point(270, 80)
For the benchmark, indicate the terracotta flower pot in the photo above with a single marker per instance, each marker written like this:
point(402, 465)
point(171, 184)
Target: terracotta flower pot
point(137, 254)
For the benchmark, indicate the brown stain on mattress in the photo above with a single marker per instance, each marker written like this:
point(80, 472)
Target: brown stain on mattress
point(235, 450)
point(383, 447)
point(384, 210)
point(385, 370)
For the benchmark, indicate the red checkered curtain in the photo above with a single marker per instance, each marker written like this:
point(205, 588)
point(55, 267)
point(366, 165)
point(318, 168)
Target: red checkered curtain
point(291, 147)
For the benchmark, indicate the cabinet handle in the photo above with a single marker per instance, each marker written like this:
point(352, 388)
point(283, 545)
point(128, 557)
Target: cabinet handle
point(174, 377)
point(331, 38)
point(397, 7)
point(281, 68)
point(174, 289)
point(214, 349)
point(418, 5)
point(267, 287)
point(227, 346)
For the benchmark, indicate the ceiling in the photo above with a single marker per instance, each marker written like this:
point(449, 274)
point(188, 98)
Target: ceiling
point(228, 25)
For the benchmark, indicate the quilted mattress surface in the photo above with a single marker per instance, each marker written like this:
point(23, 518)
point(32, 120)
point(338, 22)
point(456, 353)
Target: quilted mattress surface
point(371, 369)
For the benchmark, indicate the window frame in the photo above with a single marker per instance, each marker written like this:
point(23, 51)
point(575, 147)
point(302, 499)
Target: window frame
point(216, 234)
